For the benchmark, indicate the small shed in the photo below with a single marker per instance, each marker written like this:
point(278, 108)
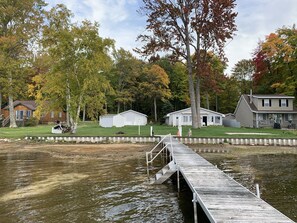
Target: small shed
point(125, 118)
point(134, 118)
point(106, 120)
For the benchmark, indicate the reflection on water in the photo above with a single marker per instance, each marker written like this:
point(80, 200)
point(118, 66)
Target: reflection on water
point(35, 187)
point(275, 173)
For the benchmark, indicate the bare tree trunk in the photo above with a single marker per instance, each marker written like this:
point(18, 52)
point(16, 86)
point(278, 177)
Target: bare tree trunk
point(119, 107)
point(198, 102)
point(76, 118)
point(68, 97)
point(11, 113)
point(84, 114)
point(195, 121)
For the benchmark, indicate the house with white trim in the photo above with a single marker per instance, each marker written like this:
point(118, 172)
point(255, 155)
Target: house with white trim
point(257, 111)
point(184, 117)
point(125, 118)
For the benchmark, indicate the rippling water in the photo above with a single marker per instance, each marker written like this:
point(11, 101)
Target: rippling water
point(36, 187)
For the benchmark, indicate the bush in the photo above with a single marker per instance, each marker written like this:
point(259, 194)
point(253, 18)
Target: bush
point(277, 126)
point(32, 121)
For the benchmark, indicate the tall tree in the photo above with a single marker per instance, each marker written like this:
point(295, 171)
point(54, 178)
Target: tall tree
point(276, 62)
point(80, 61)
point(20, 22)
point(124, 77)
point(155, 85)
point(177, 74)
point(243, 71)
point(185, 27)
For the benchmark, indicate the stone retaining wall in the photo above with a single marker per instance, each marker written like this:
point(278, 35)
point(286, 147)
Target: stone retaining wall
point(155, 139)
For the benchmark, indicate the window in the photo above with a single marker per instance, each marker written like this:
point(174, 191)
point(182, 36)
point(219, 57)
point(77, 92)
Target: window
point(185, 119)
point(29, 113)
point(52, 114)
point(60, 114)
point(19, 115)
point(283, 103)
point(266, 103)
point(217, 119)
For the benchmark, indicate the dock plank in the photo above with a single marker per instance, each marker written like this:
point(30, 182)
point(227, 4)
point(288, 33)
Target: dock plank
point(221, 197)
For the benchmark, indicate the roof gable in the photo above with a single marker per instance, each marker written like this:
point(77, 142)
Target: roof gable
point(132, 111)
point(188, 110)
point(30, 104)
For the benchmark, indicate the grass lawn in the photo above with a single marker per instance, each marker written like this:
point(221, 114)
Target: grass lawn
point(93, 129)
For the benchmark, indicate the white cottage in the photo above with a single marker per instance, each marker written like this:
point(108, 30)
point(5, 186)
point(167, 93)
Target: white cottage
point(184, 117)
point(129, 117)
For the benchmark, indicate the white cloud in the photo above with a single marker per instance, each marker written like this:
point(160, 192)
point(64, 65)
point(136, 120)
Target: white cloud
point(119, 20)
point(256, 19)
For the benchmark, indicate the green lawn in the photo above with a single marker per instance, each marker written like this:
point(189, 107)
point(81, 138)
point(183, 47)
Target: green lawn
point(93, 129)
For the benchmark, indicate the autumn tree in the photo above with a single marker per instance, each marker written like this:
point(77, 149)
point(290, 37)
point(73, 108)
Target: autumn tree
point(177, 73)
point(154, 85)
point(80, 59)
point(229, 96)
point(276, 63)
point(184, 28)
point(212, 76)
point(124, 77)
point(20, 23)
point(243, 71)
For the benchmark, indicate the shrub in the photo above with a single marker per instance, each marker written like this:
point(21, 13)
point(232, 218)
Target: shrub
point(32, 121)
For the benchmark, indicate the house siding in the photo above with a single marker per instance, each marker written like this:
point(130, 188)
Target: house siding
point(23, 113)
point(274, 105)
point(265, 111)
point(134, 118)
point(244, 115)
point(184, 117)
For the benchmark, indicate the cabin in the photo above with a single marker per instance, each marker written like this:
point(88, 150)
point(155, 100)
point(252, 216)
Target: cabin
point(130, 117)
point(24, 110)
point(184, 117)
point(258, 111)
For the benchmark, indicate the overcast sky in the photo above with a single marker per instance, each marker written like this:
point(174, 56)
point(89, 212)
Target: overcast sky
point(119, 20)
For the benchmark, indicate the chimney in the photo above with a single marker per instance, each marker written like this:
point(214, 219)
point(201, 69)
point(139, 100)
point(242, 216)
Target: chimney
point(251, 96)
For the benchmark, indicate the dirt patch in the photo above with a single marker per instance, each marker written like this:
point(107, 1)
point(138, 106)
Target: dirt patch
point(90, 151)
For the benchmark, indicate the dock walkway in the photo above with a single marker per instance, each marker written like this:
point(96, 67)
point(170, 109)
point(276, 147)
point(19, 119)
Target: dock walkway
point(221, 198)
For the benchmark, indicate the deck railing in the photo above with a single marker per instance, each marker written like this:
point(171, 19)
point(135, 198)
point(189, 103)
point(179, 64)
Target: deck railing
point(149, 155)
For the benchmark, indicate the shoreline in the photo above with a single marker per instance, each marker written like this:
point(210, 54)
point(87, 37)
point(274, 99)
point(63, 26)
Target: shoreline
point(124, 151)
point(120, 151)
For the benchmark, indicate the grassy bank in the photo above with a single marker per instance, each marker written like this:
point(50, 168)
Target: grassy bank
point(92, 129)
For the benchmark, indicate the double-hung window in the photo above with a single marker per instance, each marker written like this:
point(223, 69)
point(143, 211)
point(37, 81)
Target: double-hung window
point(266, 102)
point(283, 103)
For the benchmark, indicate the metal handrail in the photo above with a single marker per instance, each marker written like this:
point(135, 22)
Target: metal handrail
point(151, 152)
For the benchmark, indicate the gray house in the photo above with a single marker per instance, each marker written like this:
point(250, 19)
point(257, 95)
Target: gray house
point(265, 110)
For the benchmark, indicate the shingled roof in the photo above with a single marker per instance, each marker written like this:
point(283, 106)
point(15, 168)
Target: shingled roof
point(30, 104)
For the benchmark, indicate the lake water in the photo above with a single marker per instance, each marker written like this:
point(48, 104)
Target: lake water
point(39, 187)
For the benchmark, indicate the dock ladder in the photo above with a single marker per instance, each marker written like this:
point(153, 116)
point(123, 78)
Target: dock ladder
point(169, 169)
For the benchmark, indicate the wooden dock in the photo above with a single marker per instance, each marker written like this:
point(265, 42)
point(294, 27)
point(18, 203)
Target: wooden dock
point(221, 198)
